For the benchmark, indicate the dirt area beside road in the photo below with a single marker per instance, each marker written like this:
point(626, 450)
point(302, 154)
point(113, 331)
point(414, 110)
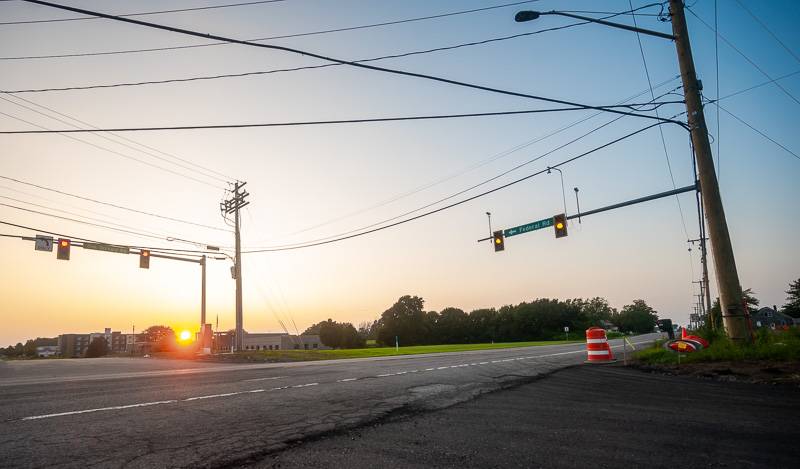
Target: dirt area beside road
point(765, 372)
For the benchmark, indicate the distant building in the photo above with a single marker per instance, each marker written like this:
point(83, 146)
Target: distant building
point(608, 325)
point(75, 345)
point(44, 351)
point(772, 318)
point(223, 341)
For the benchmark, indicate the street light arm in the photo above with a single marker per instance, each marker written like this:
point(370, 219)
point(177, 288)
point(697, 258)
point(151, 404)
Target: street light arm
point(523, 16)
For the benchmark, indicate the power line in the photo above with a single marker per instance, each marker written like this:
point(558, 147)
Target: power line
point(479, 184)
point(759, 132)
point(332, 59)
point(716, 72)
point(132, 158)
point(329, 122)
point(750, 61)
point(767, 29)
point(192, 166)
point(114, 226)
point(765, 83)
point(482, 162)
point(660, 129)
point(129, 246)
point(285, 36)
point(121, 230)
point(121, 207)
point(446, 207)
point(292, 69)
point(160, 12)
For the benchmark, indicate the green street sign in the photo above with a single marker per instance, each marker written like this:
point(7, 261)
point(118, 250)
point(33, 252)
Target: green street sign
point(533, 226)
point(106, 248)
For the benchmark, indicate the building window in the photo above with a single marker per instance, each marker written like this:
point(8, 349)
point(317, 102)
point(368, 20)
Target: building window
point(305, 346)
point(315, 345)
point(277, 347)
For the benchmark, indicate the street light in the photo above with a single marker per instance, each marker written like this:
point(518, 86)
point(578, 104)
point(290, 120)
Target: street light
point(730, 288)
point(528, 15)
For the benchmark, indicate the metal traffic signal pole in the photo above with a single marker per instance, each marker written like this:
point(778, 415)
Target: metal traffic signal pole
point(730, 290)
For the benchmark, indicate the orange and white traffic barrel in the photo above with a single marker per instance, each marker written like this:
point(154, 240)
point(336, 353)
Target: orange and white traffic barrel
point(597, 348)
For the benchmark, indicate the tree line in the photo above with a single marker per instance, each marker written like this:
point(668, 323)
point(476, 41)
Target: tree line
point(409, 323)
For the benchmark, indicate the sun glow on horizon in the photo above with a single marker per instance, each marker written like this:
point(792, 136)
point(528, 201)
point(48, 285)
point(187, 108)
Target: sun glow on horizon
point(185, 336)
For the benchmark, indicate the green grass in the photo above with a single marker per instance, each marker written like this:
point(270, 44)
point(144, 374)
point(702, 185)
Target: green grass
point(767, 345)
point(304, 355)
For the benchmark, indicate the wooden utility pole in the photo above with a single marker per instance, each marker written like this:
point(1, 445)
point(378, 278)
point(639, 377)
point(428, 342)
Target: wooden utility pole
point(233, 205)
point(730, 290)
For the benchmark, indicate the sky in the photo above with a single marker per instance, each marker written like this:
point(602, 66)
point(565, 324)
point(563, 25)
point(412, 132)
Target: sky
point(312, 182)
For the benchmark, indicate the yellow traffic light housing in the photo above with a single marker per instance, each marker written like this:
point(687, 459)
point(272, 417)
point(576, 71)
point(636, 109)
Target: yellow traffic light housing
point(499, 241)
point(63, 249)
point(144, 259)
point(560, 225)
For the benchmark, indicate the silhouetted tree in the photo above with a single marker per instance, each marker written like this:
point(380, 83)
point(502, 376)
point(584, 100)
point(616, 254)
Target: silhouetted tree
point(98, 347)
point(636, 317)
point(407, 320)
point(162, 338)
point(792, 306)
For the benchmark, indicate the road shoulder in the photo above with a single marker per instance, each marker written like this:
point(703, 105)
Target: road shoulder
point(585, 416)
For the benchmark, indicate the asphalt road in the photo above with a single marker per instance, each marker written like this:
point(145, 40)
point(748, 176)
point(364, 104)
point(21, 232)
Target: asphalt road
point(159, 413)
point(582, 417)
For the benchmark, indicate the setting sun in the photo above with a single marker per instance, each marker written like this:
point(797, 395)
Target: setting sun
point(185, 336)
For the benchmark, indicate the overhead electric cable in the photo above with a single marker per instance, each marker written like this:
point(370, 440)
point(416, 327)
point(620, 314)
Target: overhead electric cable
point(760, 132)
point(477, 165)
point(98, 225)
point(332, 59)
point(660, 129)
point(270, 38)
point(327, 122)
point(291, 69)
point(109, 204)
point(46, 130)
point(479, 184)
point(765, 83)
point(738, 51)
point(99, 220)
point(130, 246)
point(768, 30)
point(455, 204)
point(145, 13)
point(716, 73)
point(190, 166)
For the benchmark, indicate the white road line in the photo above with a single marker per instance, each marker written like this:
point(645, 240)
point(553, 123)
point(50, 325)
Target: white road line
point(210, 396)
point(101, 409)
point(304, 385)
point(263, 379)
point(196, 398)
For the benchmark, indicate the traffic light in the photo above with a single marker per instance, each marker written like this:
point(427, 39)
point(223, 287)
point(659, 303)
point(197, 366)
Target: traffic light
point(499, 241)
point(63, 249)
point(144, 259)
point(560, 225)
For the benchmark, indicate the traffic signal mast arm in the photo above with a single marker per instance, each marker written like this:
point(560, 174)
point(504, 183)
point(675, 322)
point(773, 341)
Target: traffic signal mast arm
point(648, 198)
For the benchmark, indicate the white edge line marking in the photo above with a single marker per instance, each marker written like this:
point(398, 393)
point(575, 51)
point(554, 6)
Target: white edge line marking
point(264, 379)
point(173, 401)
point(101, 409)
point(345, 380)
